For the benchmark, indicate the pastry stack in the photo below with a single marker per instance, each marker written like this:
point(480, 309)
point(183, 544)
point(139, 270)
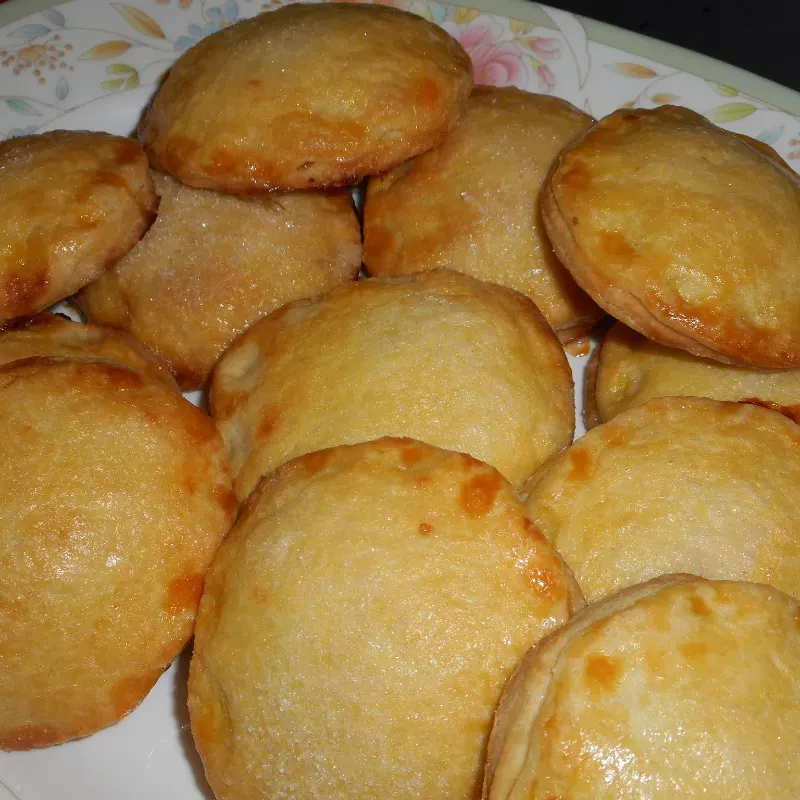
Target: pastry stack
point(400, 609)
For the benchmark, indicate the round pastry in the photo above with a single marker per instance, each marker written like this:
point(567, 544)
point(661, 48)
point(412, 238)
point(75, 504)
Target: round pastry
point(679, 687)
point(437, 356)
point(360, 621)
point(679, 484)
point(627, 370)
point(115, 496)
point(71, 204)
point(311, 95)
point(684, 232)
point(212, 264)
point(472, 204)
point(57, 336)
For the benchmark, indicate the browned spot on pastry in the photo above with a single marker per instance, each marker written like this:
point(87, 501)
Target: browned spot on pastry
point(425, 528)
point(411, 455)
point(128, 152)
point(545, 583)
point(189, 483)
point(615, 246)
point(694, 651)
point(792, 412)
point(183, 593)
point(129, 692)
point(478, 494)
point(699, 606)
point(617, 435)
point(223, 162)
point(269, 422)
point(254, 82)
point(197, 425)
point(204, 727)
point(468, 462)
point(315, 462)
point(378, 242)
point(107, 177)
point(602, 671)
point(577, 176)
point(581, 464)
point(29, 736)
point(226, 500)
point(124, 378)
point(428, 94)
point(22, 293)
point(532, 530)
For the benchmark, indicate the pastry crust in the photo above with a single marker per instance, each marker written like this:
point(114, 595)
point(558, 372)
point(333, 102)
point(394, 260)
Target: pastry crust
point(684, 232)
point(359, 622)
point(472, 204)
point(56, 336)
point(212, 264)
point(308, 96)
point(679, 484)
point(678, 687)
point(627, 370)
point(71, 204)
point(115, 496)
point(437, 356)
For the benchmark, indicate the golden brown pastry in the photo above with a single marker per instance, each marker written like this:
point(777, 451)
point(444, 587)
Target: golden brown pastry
point(54, 335)
point(679, 484)
point(359, 623)
point(437, 356)
point(684, 232)
point(627, 370)
point(679, 687)
point(212, 264)
point(115, 495)
point(71, 204)
point(472, 204)
point(308, 96)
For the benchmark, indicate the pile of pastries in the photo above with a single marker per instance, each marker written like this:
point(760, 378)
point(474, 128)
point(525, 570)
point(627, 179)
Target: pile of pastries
point(403, 578)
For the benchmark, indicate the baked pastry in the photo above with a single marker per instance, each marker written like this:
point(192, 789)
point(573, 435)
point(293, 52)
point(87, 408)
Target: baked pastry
point(627, 370)
point(71, 204)
point(677, 484)
point(437, 356)
point(115, 496)
point(57, 336)
point(359, 622)
point(678, 687)
point(472, 204)
point(308, 96)
point(684, 232)
point(212, 264)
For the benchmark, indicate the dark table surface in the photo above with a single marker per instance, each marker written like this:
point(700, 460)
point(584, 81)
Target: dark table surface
point(762, 36)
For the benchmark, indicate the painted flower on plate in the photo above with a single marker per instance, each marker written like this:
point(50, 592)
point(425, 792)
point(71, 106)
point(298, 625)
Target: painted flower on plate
point(217, 18)
point(494, 63)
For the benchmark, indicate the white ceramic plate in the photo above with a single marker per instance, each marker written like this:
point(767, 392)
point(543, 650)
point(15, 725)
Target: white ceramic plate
point(93, 65)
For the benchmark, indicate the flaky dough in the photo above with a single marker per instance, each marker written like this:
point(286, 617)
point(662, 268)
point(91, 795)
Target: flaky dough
point(56, 336)
point(115, 495)
point(679, 687)
point(437, 356)
point(684, 232)
point(628, 369)
point(71, 204)
point(212, 264)
point(679, 484)
point(310, 95)
point(472, 204)
point(359, 622)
